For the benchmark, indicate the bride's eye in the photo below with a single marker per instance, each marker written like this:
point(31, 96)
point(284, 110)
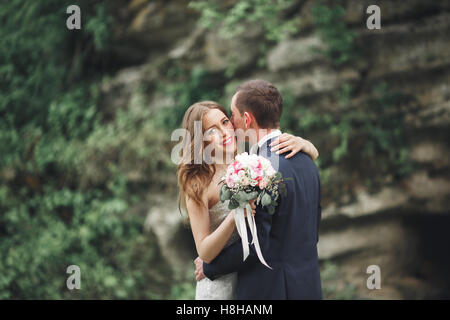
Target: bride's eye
point(211, 131)
point(225, 121)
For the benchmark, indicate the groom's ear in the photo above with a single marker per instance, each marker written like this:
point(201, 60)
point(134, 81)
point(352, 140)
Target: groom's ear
point(247, 119)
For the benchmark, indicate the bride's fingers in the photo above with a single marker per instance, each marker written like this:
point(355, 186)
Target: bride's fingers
point(284, 137)
point(280, 139)
point(292, 153)
point(275, 142)
point(283, 145)
point(199, 277)
point(286, 149)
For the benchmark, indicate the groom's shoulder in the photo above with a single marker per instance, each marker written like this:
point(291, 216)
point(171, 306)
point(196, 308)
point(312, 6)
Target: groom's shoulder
point(299, 161)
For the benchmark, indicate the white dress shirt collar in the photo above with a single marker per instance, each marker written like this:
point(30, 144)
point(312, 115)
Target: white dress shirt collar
point(270, 135)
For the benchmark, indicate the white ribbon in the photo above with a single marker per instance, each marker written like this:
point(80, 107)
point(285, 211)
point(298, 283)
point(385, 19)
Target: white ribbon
point(242, 231)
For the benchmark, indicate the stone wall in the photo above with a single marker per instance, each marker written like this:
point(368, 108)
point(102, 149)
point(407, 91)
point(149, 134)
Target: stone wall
point(401, 225)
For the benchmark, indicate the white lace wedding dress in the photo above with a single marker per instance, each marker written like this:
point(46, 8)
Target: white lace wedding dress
point(224, 287)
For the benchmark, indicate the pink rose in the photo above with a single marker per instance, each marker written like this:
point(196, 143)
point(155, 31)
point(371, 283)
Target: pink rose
point(230, 182)
point(237, 166)
point(262, 183)
point(259, 172)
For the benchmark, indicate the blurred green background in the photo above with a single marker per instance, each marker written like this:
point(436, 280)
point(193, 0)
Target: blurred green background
point(86, 117)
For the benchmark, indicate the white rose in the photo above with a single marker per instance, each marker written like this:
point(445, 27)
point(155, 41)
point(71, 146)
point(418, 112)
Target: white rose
point(245, 181)
point(270, 172)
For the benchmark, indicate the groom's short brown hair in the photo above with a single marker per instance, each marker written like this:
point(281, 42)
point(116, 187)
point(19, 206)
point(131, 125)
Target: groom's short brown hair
point(263, 100)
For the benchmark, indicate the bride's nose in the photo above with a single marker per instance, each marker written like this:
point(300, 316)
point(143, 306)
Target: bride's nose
point(223, 131)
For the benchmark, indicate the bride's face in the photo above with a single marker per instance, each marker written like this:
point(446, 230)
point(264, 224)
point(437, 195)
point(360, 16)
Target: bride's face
point(218, 133)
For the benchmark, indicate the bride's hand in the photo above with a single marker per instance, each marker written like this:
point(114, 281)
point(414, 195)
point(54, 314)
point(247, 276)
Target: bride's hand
point(199, 275)
point(287, 142)
point(253, 206)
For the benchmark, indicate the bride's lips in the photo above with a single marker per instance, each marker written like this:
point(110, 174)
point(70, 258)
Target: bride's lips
point(228, 141)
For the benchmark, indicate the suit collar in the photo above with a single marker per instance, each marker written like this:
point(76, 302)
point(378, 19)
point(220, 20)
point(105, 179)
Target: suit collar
point(256, 147)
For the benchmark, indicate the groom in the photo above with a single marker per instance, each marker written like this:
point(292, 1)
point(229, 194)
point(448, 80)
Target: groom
point(289, 237)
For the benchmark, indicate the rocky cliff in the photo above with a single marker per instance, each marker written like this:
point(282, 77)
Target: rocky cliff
point(371, 215)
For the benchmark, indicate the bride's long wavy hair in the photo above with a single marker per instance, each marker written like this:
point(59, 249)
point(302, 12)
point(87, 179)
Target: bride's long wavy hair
point(194, 178)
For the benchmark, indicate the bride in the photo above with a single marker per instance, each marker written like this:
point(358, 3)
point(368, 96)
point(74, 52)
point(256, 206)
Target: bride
point(211, 221)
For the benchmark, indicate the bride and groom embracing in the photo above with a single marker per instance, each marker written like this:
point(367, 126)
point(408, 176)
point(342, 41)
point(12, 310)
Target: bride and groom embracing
point(287, 238)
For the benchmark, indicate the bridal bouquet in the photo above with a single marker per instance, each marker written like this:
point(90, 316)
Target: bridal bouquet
point(248, 178)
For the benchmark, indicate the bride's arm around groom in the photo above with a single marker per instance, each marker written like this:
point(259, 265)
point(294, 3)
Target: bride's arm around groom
point(288, 238)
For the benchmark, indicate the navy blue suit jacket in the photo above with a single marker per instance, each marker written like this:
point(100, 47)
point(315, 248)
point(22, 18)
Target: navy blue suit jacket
point(288, 239)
